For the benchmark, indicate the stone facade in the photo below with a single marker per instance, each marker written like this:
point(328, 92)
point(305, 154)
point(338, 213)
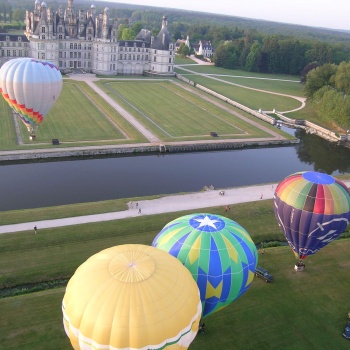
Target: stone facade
point(87, 41)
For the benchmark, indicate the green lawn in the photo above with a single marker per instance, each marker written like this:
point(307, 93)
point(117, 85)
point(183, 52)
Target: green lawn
point(7, 130)
point(282, 87)
point(183, 60)
point(239, 73)
point(296, 311)
point(174, 113)
point(74, 117)
point(250, 98)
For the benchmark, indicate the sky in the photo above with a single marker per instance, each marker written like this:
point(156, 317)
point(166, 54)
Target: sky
point(333, 14)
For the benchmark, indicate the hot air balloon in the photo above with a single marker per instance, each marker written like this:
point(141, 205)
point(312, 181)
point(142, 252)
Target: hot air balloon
point(312, 209)
point(131, 297)
point(218, 252)
point(31, 88)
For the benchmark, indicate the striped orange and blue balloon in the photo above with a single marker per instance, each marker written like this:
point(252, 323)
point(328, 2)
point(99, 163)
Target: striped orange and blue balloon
point(312, 209)
point(218, 252)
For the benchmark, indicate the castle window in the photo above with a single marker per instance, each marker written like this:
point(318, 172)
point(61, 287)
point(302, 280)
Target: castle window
point(90, 31)
point(60, 29)
point(43, 55)
point(169, 60)
point(19, 38)
point(60, 37)
point(155, 52)
point(126, 44)
point(75, 46)
point(121, 56)
point(43, 29)
point(20, 53)
point(43, 37)
point(143, 44)
point(7, 38)
point(154, 59)
point(71, 46)
point(14, 53)
point(8, 53)
point(79, 46)
point(71, 55)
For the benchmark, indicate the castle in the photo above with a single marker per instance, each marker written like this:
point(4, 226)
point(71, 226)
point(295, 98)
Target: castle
point(88, 41)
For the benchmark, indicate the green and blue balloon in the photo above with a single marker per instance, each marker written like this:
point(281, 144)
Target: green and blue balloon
point(218, 252)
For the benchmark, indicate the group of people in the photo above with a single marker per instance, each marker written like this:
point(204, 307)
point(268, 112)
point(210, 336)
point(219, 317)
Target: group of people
point(136, 205)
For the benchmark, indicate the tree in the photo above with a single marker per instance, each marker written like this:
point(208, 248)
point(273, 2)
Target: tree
point(18, 15)
point(253, 58)
point(342, 78)
point(318, 78)
point(177, 35)
point(183, 50)
point(306, 70)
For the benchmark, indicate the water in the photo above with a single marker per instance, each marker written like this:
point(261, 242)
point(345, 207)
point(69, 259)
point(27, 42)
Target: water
point(42, 184)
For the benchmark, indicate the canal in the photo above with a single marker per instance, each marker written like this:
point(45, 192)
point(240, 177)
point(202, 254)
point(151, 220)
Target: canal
point(41, 184)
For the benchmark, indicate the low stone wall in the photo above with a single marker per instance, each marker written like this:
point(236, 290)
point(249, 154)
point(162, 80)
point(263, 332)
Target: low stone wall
point(14, 156)
point(313, 128)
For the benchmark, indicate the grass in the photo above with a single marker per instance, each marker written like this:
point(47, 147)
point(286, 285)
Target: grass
point(252, 99)
point(81, 122)
point(7, 130)
point(239, 73)
point(183, 60)
point(282, 87)
point(173, 113)
point(297, 311)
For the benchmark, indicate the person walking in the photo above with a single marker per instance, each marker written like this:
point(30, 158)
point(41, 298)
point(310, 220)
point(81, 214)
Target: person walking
point(35, 229)
point(139, 210)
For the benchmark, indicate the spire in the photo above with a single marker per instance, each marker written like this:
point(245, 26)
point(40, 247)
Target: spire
point(164, 22)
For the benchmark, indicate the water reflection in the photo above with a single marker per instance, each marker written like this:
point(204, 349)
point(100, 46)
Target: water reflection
point(325, 156)
point(41, 184)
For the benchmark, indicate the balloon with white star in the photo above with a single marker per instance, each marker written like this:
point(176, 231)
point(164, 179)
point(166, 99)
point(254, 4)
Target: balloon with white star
point(218, 252)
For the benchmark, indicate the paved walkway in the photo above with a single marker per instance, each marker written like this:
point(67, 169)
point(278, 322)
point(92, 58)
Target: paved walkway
point(192, 201)
point(173, 203)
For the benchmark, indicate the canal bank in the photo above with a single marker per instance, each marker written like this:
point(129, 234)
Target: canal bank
point(94, 151)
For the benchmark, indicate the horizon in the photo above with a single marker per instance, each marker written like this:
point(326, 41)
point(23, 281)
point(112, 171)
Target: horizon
point(296, 12)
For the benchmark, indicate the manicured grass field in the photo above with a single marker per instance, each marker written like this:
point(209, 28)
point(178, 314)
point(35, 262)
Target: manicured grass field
point(183, 60)
point(75, 118)
point(240, 73)
point(252, 99)
point(174, 113)
point(7, 130)
point(296, 311)
point(282, 87)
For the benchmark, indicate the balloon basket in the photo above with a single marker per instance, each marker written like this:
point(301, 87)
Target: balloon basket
point(32, 137)
point(299, 267)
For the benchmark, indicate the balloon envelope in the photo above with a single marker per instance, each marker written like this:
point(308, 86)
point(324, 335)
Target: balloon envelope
point(31, 88)
point(131, 297)
point(312, 209)
point(218, 252)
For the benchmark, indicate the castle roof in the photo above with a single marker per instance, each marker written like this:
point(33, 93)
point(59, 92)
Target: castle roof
point(163, 39)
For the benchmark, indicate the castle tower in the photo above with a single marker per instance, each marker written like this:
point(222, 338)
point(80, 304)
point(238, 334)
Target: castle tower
point(105, 22)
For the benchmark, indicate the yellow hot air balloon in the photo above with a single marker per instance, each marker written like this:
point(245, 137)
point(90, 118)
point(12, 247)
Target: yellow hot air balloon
point(131, 297)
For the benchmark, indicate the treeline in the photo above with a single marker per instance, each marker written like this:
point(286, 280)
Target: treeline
point(255, 52)
point(328, 89)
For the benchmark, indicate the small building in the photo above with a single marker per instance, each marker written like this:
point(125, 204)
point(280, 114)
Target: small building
point(179, 42)
point(203, 48)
